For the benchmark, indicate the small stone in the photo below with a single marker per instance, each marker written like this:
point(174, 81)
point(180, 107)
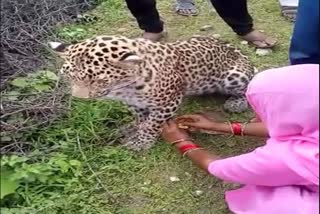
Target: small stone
point(198, 192)
point(244, 42)
point(212, 12)
point(122, 30)
point(174, 179)
point(147, 182)
point(196, 35)
point(263, 52)
point(187, 174)
point(206, 28)
point(216, 36)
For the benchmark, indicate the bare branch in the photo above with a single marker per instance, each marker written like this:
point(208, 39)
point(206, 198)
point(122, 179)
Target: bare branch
point(26, 25)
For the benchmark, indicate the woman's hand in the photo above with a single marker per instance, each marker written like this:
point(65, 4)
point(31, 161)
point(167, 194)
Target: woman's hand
point(195, 122)
point(171, 132)
point(201, 157)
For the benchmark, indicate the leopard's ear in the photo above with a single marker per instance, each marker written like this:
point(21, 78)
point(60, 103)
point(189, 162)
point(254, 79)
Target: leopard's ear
point(60, 48)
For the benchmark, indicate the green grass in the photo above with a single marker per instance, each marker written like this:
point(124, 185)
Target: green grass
point(114, 180)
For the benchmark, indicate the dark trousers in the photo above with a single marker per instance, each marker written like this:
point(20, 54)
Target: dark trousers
point(304, 48)
point(146, 13)
point(233, 12)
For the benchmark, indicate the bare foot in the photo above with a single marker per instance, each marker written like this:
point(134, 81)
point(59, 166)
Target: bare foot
point(259, 39)
point(155, 37)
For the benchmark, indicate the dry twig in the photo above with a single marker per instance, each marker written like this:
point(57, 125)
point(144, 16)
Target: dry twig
point(84, 157)
point(25, 27)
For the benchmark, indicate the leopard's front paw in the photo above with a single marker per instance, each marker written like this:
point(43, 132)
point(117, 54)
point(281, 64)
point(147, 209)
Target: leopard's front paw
point(135, 143)
point(129, 129)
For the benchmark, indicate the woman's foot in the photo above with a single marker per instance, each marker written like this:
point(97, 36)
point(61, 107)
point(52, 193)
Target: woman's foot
point(186, 8)
point(155, 37)
point(259, 39)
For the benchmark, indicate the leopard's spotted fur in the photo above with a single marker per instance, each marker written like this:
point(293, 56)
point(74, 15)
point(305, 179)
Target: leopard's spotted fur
point(152, 78)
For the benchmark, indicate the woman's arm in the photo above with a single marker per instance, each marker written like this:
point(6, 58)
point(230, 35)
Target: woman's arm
point(264, 166)
point(252, 129)
point(201, 158)
point(196, 122)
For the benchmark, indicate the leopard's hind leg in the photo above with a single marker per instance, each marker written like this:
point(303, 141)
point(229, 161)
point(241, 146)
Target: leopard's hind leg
point(236, 104)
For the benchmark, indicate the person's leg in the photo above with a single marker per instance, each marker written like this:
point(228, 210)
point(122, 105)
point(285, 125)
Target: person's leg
point(148, 18)
point(304, 48)
point(235, 14)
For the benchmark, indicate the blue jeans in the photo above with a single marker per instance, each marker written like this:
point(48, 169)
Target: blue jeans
point(304, 48)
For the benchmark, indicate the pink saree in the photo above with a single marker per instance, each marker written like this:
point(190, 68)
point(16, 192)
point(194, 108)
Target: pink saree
point(281, 177)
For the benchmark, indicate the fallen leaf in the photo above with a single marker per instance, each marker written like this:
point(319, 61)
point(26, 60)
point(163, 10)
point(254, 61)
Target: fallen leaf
point(7, 185)
point(20, 82)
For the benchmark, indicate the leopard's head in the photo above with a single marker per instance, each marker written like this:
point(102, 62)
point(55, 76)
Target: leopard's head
point(96, 66)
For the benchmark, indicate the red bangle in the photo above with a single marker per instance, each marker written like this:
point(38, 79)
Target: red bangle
point(187, 147)
point(236, 128)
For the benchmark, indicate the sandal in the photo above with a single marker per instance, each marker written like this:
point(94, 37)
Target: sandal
point(289, 9)
point(290, 14)
point(186, 8)
point(259, 40)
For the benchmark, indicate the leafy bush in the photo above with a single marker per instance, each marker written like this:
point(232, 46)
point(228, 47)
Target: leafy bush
point(72, 33)
point(29, 100)
point(34, 82)
point(64, 159)
point(25, 176)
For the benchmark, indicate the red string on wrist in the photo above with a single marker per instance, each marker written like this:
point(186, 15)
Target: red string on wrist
point(236, 128)
point(187, 147)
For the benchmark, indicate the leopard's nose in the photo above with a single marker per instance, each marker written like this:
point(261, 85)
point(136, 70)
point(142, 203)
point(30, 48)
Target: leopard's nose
point(81, 92)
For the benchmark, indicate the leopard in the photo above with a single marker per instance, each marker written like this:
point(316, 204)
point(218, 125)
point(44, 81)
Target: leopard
point(152, 78)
